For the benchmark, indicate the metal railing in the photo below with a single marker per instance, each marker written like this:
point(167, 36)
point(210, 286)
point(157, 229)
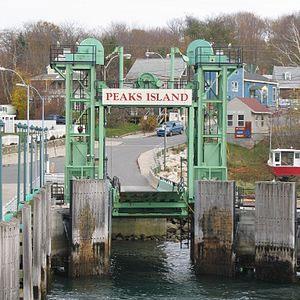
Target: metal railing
point(12, 205)
point(72, 54)
point(222, 55)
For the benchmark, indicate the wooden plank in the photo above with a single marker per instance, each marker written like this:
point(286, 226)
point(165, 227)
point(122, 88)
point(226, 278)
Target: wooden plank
point(27, 252)
point(90, 228)
point(9, 260)
point(214, 227)
point(275, 231)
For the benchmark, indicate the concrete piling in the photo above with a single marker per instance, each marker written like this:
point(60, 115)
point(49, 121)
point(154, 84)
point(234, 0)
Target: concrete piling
point(9, 259)
point(275, 231)
point(90, 212)
point(214, 228)
point(27, 252)
point(37, 245)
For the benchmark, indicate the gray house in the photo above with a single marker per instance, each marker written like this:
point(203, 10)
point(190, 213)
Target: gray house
point(288, 79)
point(159, 67)
point(247, 121)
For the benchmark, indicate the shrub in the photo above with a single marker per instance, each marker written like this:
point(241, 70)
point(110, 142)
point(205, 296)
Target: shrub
point(149, 124)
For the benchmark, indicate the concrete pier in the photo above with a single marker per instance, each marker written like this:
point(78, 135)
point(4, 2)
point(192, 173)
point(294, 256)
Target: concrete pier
point(91, 225)
point(214, 227)
point(275, 231)
point(9, 260)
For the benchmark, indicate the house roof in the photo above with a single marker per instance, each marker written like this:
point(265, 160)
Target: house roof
point(157, 66)
point(254, 105)
point(278, 75)
point(257, 77)
point(52, 77)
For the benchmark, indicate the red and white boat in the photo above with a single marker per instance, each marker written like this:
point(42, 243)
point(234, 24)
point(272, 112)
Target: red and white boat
point(285, 162)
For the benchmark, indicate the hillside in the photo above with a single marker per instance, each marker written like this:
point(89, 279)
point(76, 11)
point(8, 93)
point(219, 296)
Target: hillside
point(248, 165)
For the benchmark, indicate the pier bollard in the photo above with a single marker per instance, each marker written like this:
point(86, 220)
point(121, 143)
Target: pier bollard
point(275, 231)
point(214, 228)
point(9, 259)
point(90, 228)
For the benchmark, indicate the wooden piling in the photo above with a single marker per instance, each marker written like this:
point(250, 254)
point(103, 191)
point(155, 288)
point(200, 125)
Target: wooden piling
point(90, 228)
point(214, 228)
point(275, 231)
point(9, 260)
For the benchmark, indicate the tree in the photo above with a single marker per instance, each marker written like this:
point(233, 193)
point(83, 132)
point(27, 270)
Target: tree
point(285, 39)
point(19, 101)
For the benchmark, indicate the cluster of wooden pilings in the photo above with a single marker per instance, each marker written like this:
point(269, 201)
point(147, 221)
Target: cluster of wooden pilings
point(25, 250)
point(217, 248)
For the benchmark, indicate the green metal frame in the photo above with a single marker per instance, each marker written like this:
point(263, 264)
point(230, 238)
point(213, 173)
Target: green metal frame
point(206, 149)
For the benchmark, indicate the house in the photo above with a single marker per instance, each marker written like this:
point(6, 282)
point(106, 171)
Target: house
point(8, 115)
point(51, 85)
point(251, 85)
point(161, 68)
point(288, 79)
point(247, 121)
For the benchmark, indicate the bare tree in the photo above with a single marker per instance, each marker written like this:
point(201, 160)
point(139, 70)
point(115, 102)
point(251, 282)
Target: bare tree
point(285, 39)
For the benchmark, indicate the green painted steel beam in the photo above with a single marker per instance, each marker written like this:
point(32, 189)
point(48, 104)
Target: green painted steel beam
point(147, 205)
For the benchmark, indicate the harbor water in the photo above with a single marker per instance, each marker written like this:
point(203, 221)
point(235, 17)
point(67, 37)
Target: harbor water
point(161, 270)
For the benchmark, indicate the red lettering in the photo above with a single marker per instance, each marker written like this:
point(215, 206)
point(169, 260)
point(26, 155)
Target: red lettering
point(184, 97)
point(115, 96)
point(108, 95)
point(131, 97)
point(175, 97)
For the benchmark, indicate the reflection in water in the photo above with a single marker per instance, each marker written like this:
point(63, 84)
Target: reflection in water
point(161, 270)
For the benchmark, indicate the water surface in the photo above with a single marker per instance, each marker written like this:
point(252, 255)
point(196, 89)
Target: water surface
point(161, 270)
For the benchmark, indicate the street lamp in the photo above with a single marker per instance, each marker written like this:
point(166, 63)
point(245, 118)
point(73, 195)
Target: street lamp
point(1, 202)
point(150, 53)
point(42, 162)
point(28, 98)
point(118, 52)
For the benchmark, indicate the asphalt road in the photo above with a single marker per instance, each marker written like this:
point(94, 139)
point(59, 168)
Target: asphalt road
point(122, 162)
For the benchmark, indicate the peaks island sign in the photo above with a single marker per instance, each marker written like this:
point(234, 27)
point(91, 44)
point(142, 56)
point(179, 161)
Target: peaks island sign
point(147, 97)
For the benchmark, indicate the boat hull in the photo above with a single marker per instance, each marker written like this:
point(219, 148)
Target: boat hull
point(281, 171)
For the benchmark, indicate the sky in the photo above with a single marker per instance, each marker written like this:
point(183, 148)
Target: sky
point(142, 13)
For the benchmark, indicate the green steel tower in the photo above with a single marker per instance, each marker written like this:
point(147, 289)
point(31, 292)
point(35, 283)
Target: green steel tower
point(208, 115)
point(84, 113)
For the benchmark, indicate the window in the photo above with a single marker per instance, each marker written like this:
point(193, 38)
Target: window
point(230, 120)
point(234, 86)
point(287, 76)
point(241, 120)
point(274, 94)
point(297, 155)
point(277, 157)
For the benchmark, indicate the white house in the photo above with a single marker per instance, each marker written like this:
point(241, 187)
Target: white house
point(247, 121)
point(8, 115)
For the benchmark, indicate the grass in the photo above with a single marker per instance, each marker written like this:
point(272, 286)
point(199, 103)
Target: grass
point(122, 129)
point(246, 166)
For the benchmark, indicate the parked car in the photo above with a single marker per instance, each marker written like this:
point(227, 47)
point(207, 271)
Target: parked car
point(171, 127)
point(58, 118)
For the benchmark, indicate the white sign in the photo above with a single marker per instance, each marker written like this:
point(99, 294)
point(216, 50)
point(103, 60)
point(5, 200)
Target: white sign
point(147, 97)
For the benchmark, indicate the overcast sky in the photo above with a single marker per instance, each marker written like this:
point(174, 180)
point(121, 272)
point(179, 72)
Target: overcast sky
point(93, 13)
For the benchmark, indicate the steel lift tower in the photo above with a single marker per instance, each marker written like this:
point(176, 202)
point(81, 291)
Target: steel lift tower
point(84, 114)
point(208, 115)
point(206, 125)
